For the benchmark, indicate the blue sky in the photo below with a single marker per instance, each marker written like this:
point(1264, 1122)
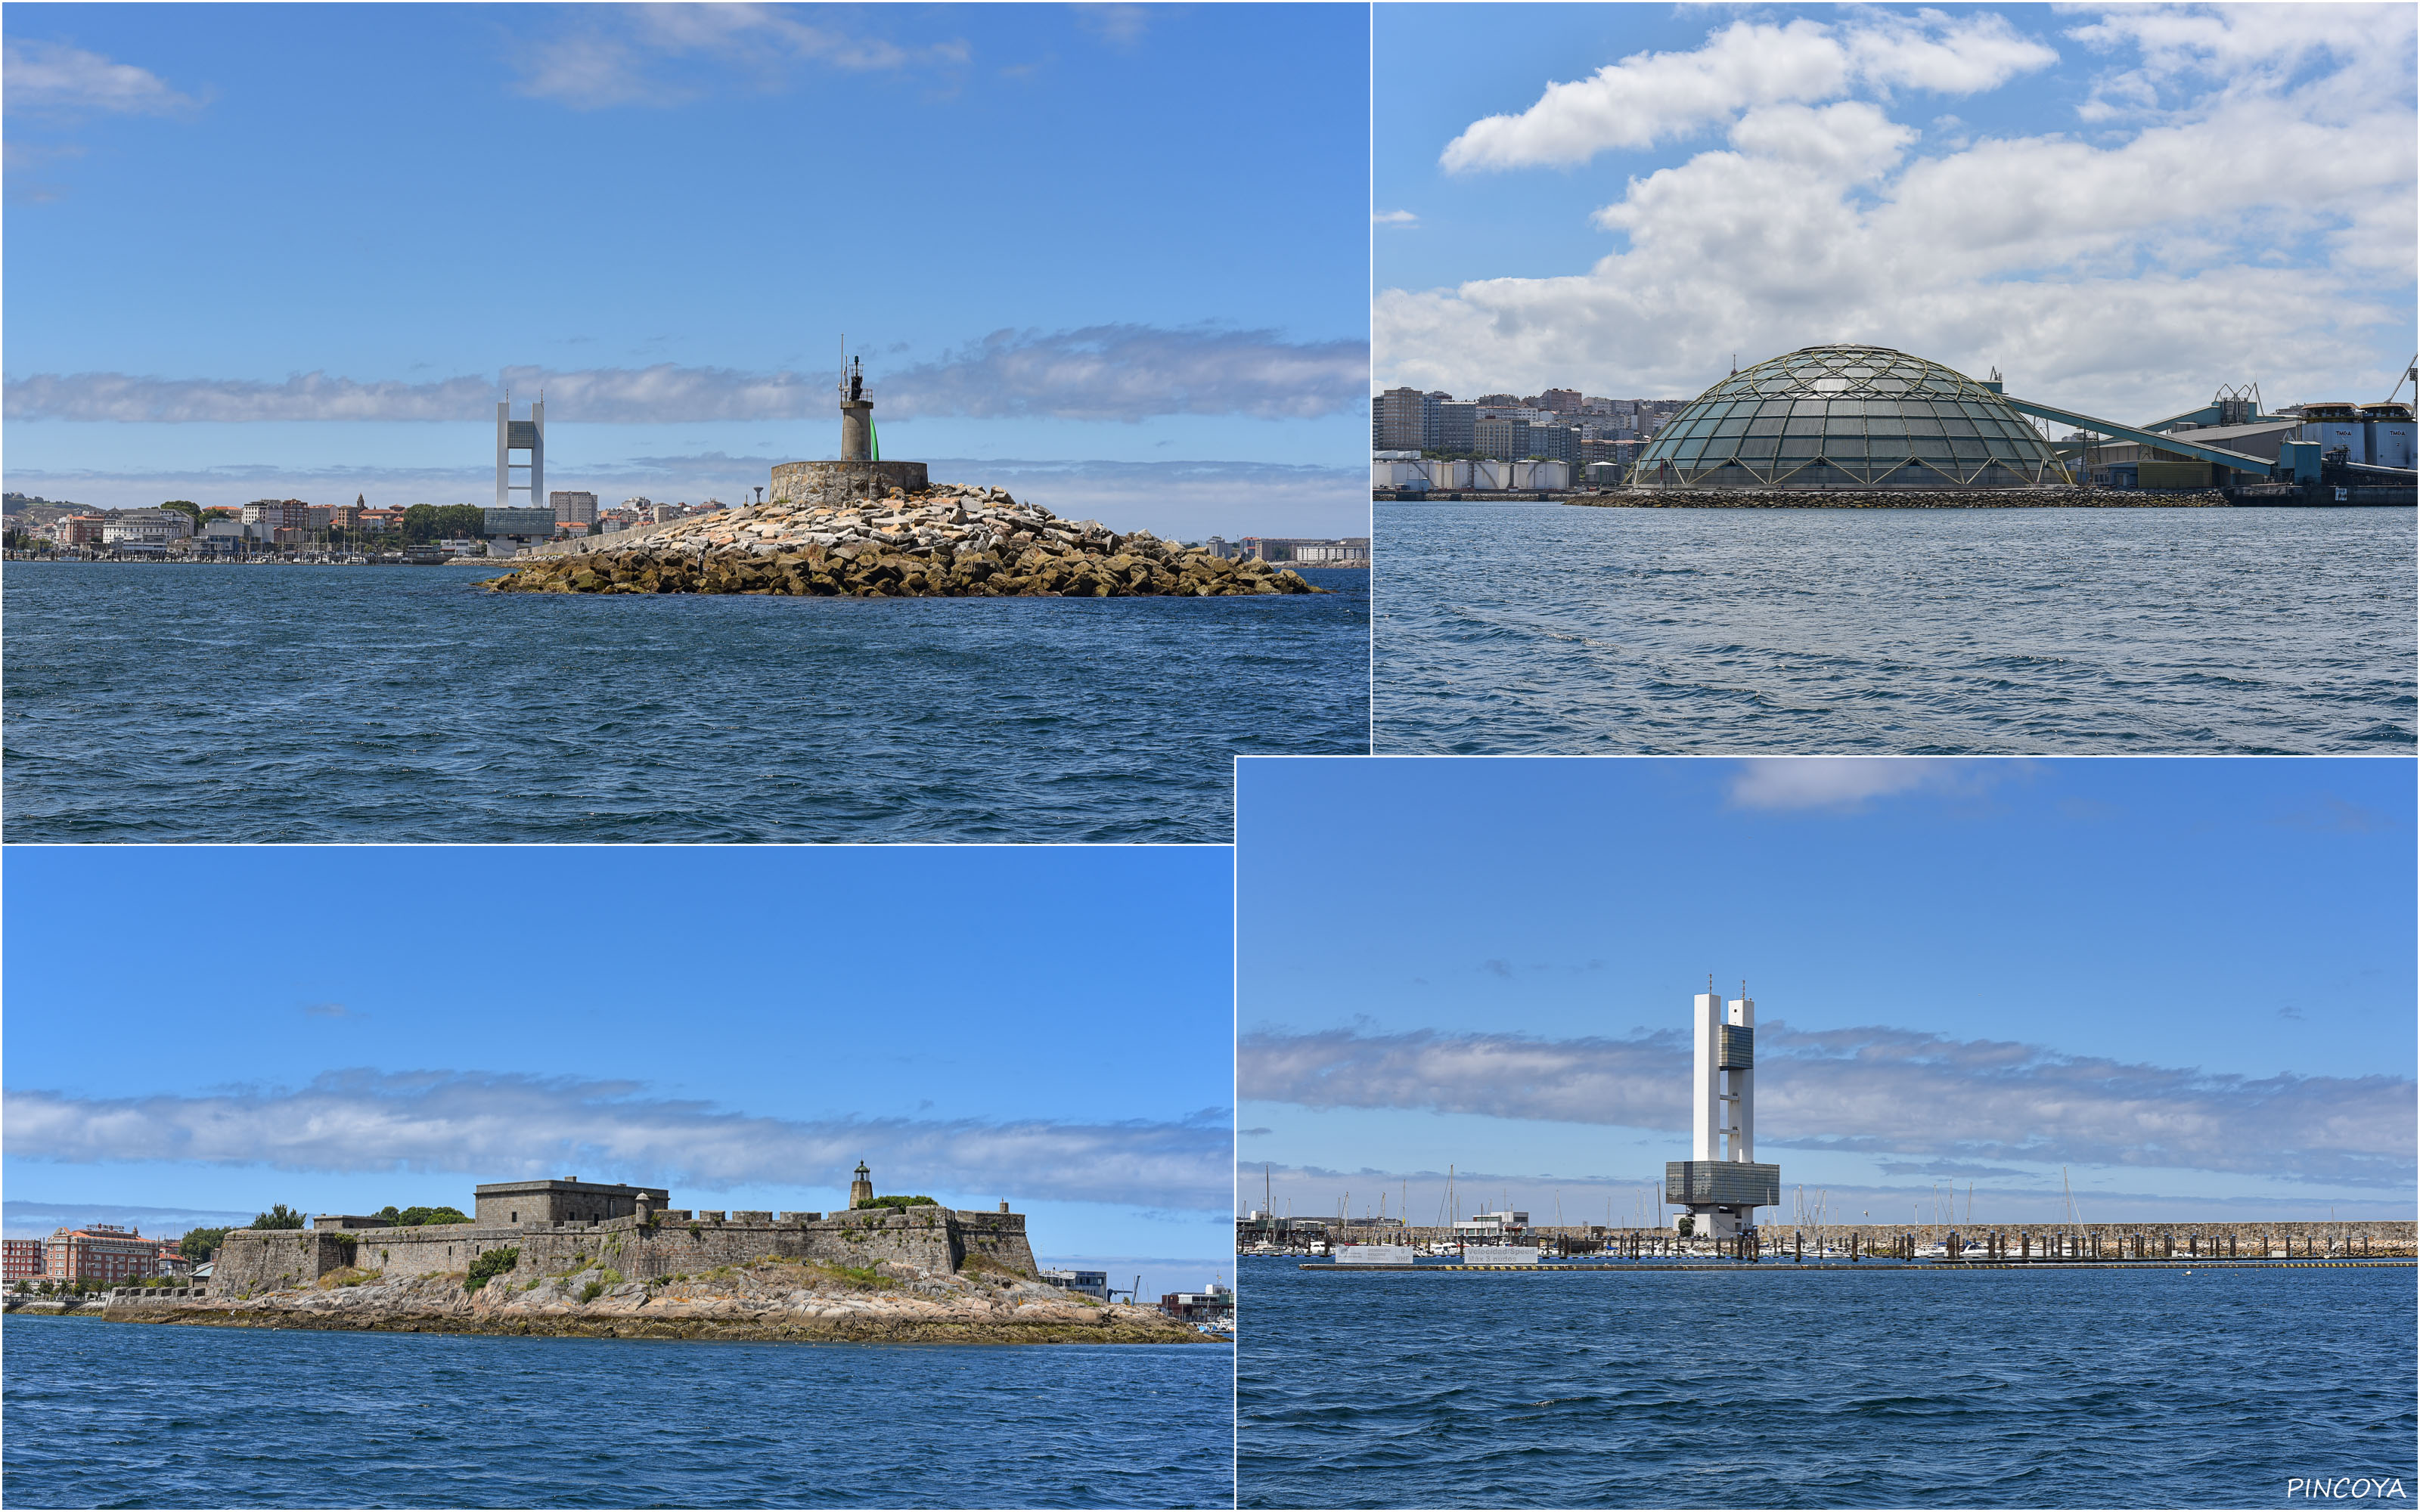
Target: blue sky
point(2187, 981)
point(256, 247)
point(2121, 207)
point(341, 1029)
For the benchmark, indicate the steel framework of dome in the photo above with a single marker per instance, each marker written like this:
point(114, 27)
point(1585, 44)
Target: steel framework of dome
point(1848, 417)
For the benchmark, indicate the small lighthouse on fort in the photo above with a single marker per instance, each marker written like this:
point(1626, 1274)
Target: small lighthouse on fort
point(1721, 1184)
point(860, 1191)
point(856, 414)
point(859, 472)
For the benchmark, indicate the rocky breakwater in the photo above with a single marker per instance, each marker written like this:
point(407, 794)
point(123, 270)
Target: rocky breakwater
point(948, 541)
point(773, 1299)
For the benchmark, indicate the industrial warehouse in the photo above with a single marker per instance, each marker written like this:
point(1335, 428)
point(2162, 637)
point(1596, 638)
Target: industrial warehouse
point(1846, 419)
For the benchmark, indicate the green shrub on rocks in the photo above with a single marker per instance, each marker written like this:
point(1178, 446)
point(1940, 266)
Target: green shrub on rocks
point(418, 1217)
point(593, 1291)
point(489, 1265)
point(860, 1277)
point(980, 1264)
point(864, 1203)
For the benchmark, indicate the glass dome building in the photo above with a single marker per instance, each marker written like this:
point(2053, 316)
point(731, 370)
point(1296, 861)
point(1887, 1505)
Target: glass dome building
point(1848, 417)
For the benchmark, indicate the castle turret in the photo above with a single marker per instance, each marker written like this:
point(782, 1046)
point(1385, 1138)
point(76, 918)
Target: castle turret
point(860, 1191)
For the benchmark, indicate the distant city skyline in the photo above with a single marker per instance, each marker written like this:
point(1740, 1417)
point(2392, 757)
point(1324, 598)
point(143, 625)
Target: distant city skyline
point(1626, 198)
point(670, 219)
point(2184, 981)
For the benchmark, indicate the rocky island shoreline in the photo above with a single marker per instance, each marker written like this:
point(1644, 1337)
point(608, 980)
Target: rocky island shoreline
point(773, 1299)
point(944, 541)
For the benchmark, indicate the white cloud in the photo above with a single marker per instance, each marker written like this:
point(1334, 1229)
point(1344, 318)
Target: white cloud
point(1877, 1091)
point(2252, 220)
point(637, 55)
point(500, 1127)
point(1120, 372)
point(1935, 54)
point(1847, 782)
point(2006, 1195)
point(1127, 372)
point(1653, 96)
point(120, 397)
point(1393, 218)
point(39, 1220)
point(54, 77)
point(1121, 24)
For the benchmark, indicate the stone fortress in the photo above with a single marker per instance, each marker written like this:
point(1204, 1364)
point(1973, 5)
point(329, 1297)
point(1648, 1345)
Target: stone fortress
point(557, 1226)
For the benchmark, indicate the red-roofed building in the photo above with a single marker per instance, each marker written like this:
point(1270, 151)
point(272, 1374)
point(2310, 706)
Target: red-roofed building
point(99, 1252)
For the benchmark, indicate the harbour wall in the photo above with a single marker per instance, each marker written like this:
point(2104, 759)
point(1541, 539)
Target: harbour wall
point(675, 1242)
point(2384, 1237)
point(580, 545)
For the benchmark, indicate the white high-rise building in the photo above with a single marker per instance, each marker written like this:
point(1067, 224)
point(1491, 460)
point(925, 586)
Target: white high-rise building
point(529, 438)
point(1721, 1185)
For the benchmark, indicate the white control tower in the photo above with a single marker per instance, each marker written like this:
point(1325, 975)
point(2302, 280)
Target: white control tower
point(526, 435)
point(1721, 1185)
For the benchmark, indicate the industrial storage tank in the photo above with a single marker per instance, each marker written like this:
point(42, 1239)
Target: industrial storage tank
point(1846, 416)
point(1491, 475)
point(2386, 434)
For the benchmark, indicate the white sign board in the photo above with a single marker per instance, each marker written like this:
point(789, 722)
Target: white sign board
point(1375, 1255)
point(1499, 1255)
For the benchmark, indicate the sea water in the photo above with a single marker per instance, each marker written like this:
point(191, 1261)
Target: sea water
point(1787, 1386)
point(1574, 630)
point(250, 704)
point(130, 1414)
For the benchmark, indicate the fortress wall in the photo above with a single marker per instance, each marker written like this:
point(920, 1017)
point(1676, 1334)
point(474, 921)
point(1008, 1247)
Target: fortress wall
point(997, 1236)
point(678, 1242)
point(261, 1259)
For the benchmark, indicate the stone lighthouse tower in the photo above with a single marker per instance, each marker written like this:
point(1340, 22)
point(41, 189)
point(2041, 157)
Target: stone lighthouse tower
point(856, 414)
point(860, 1191)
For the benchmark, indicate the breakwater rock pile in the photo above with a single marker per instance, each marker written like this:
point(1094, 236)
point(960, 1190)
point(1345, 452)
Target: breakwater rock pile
point(772, 1299)
point(1897, 498)
point(948, 541)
